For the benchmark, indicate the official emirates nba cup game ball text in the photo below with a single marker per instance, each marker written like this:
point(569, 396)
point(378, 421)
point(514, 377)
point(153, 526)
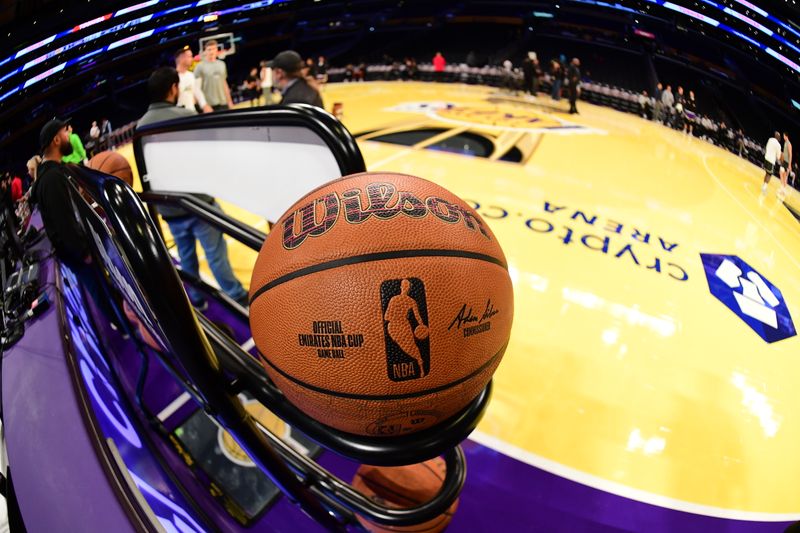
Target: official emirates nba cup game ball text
point(381, 304)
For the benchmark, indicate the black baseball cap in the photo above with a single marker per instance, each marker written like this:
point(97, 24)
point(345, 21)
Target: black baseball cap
point(181, 50)
point(288, 60)
point(50, 130)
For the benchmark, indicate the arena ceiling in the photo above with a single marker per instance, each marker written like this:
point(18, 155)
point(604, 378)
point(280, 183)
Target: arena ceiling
point(49, 44)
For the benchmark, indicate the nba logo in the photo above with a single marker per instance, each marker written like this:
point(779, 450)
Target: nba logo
point(405, 329)
point(750, 295)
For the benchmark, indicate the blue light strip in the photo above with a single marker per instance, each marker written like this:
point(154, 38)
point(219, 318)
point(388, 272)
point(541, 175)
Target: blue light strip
point(712, 22)
point(689, 12)
point(600, 3)
point(755, 8)
point(143, 5)
point(103, 18)
point(717, 24)
point(757, 25)
point(92, 37)
point(760, 27)
point(783, 59)
point(125, 41)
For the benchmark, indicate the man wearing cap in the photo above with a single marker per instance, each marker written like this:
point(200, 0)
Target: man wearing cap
point(287, 68)
point(51, 193)
point(163, 86)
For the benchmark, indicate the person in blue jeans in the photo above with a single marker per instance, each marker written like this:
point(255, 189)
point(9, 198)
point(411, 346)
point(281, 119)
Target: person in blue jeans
point(185, 227)
point(557, 77)
point(187, 230)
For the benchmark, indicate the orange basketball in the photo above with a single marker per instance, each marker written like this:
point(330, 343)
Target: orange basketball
point(404, 487)
point(345, 281)
point(114, 164)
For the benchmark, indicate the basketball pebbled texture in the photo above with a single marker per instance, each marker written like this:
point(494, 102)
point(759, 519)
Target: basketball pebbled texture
point(381, 304)
point(404, 487)
point(112, 163)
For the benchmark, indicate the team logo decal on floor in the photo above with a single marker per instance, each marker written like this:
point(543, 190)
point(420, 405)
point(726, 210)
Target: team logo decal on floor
point(750, 295)
point(405, 327)
point(506, 118)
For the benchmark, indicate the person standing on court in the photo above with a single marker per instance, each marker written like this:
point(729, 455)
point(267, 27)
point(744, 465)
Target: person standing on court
point(771, 153)
point(680, 101)
point(786, 162)
point(322, 71)
point(212, 75)
point(528, 75)
point(657, 106)
point(287, 73)
point(574, 80)
point(690, 114)
point(439, 64)
point(163, 88)
point(557, 78)
point(537, 74)
point(667, 101)
point(189, 96)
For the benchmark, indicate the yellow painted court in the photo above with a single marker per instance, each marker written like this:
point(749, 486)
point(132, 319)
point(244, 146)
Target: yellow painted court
point(624, 370)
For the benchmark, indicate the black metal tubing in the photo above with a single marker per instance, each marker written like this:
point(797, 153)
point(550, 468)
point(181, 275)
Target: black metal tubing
point(395, 451)
point(413, 449)
point(338, 139)
point(148, 257)
point(248, 374)
point(247, 235)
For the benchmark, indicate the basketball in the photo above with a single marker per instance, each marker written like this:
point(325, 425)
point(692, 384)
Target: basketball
point(404, 487)
point(381, 304)
point(114, 164)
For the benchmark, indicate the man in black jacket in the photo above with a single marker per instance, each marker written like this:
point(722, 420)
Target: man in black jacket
point(51, 193)
point(574, 79)
point(287, 69)
point(67, 233)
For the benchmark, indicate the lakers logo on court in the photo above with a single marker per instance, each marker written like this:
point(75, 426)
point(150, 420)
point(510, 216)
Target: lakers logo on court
point(405, 328)
point(520, 118)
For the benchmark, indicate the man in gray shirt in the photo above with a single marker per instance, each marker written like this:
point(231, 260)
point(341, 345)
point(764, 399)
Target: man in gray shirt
point(186, 228)
point(212, 75)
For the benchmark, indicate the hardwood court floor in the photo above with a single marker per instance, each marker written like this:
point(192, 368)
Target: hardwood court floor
point(624, 371)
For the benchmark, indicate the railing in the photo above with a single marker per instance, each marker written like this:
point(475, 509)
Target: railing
point(111, 141)
point(215, 369)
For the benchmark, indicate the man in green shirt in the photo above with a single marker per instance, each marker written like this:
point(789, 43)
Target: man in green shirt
point(78, 154)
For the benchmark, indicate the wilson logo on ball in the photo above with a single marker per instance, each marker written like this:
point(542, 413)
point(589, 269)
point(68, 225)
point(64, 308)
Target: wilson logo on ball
point(405, 328)
point(383, 201)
